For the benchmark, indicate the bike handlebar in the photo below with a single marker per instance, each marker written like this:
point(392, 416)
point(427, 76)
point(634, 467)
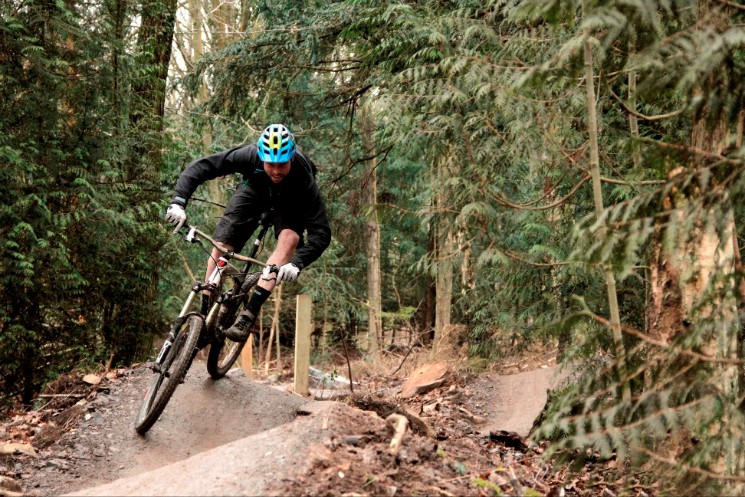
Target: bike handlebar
point(190, 237)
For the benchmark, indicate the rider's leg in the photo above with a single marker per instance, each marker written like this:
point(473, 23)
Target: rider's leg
point(212, 261)
point(211, 264)
point(287, 242)
point(238, 222)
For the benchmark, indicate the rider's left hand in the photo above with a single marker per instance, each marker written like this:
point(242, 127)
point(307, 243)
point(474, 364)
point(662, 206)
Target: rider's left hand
point(288, 272)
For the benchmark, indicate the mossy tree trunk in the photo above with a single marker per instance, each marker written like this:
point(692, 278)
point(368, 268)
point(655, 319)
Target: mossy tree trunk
point(372, 233)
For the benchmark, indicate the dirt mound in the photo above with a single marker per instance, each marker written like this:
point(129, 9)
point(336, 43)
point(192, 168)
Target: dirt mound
point(241, 437)
point(100, 444)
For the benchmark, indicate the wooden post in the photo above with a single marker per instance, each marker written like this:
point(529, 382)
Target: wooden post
point(247, 358)
point(302, 344)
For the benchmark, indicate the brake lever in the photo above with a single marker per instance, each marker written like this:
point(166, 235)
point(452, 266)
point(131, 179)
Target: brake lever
point(191, 236)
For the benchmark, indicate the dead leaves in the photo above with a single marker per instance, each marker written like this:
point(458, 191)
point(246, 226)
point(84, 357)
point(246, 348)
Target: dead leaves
point(63, 402)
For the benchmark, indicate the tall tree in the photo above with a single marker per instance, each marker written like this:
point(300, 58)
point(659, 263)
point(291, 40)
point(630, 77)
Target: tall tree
point(154, 41)
point(372, 232)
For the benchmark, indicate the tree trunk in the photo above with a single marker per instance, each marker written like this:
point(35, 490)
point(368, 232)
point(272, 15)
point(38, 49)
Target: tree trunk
point(216, 188)
point(326, 327)
point(118, 14)
point(694, 285)
point(634, 122)
point(154, 49)
point(680, 278)
point(372, 231)
point(444, 251)
point(427, 332)
point(610, 280)
point(149, 89)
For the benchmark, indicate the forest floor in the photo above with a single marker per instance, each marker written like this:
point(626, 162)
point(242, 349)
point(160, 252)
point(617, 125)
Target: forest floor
point(466, 436)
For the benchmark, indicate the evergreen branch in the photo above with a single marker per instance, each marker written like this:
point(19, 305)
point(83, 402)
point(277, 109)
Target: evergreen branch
point(362, 160)
point(634, 332)
point(186, 265)
point(512, 256)
point(693, 150)
point(572, 158)
point(638, 422)
point(642, 116)
point(208, 202)
point(642, 369)
point(327, 69)
point(527, 206)
point(632, 183)
point(687, 467)
point(549, 192)
point(494, 130)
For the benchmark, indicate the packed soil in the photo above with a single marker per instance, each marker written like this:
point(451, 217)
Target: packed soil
point(235, 436)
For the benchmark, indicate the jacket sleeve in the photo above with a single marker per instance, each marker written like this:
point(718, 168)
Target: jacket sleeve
point(240, 159)
point(319, 231)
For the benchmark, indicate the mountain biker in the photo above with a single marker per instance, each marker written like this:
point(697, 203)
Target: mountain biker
point(276, 174)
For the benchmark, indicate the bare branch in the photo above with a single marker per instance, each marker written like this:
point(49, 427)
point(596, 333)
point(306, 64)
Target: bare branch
point(642, 116)
point(732, 4)
point(527, 207)
point(646, 338)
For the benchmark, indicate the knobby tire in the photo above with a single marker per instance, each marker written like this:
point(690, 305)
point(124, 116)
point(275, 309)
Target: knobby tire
point(175, 365)
point(224, 352)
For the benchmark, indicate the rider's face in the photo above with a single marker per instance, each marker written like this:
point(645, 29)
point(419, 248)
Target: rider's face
point(277, 170)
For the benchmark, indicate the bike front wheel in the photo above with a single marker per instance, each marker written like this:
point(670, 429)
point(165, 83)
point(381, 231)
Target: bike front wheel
point(172, 371)
point(224, 352)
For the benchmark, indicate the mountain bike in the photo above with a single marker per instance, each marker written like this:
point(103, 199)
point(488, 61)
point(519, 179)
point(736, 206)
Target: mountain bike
point(191, 331)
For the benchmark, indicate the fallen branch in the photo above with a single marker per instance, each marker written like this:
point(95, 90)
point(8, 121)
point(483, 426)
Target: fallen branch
point(399, 423)
point(10, 493)
point(51, 395)
point(515, 483)
point(441, 491)
point(349, 365)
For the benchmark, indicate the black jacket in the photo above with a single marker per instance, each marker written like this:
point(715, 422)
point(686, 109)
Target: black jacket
point(295, 198)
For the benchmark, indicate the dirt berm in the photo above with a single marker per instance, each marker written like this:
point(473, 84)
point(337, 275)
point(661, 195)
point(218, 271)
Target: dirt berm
point(240, 437)
point(249, 466)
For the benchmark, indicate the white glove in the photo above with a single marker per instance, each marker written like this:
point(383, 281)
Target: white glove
point(270, 273)
point(176, 216)
point(288, 272)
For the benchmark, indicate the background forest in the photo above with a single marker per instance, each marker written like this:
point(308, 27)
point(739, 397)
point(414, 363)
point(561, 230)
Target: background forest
point(496, 172)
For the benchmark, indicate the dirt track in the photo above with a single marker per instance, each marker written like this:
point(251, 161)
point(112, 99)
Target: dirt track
point(204, 428)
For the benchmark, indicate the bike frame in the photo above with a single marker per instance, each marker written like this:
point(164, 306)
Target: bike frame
point(213, 282)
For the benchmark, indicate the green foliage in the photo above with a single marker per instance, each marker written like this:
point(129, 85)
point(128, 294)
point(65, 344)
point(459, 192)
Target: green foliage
point(481, 142)
point(684, 391)
point(78, 265)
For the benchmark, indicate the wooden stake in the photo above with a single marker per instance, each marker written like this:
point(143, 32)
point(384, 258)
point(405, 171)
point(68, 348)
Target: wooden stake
point(247, 358)
point(399, 423)
point(302, 344)
point(272, 327)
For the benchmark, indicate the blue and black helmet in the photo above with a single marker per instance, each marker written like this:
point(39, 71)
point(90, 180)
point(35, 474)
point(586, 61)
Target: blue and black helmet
point(276, 144)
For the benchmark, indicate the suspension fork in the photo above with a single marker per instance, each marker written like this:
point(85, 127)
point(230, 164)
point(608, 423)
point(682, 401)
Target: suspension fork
point(213, 285)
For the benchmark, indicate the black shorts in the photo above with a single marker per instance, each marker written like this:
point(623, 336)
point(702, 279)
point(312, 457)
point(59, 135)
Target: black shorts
point(241, 218)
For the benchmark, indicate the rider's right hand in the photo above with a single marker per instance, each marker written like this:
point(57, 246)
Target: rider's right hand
point(176, 216)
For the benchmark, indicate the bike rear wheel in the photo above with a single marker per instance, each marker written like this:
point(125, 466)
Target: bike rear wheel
point(224, 352)
point(172, 371)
